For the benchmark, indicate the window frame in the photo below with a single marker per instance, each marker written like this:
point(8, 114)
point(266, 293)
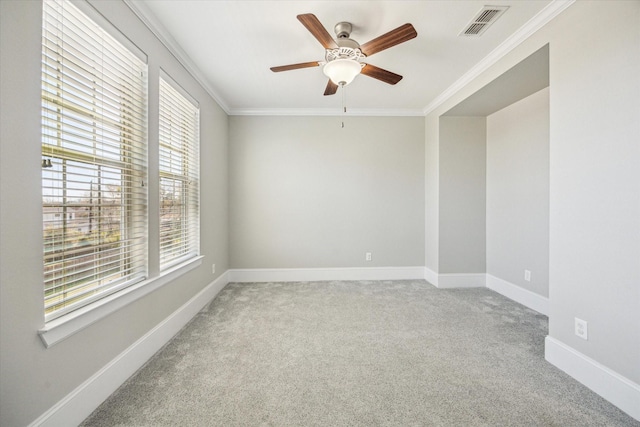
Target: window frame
point(94, 119)
point(189, 175)
point(55, 330)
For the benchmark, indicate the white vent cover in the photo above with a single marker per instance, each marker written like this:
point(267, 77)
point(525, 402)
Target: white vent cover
point(483, 19)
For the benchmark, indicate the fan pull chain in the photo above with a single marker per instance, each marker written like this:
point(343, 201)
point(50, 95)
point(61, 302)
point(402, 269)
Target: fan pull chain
point(344, 100)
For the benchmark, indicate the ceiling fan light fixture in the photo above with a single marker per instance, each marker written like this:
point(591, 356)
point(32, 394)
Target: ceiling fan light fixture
point(344, 57)
point(342, 71)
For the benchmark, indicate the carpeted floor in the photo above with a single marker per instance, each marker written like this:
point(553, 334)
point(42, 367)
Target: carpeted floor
point(356, 353)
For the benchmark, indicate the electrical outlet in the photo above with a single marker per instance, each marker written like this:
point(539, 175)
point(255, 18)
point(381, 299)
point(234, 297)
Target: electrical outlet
point(367, 256)
point(581, 328)
point(213, 269)
point(527, 275)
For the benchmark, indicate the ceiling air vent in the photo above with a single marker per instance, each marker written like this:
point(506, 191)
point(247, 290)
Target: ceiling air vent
point(479, 24)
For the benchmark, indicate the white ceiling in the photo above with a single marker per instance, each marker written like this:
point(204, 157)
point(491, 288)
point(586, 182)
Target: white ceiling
point(232, 44)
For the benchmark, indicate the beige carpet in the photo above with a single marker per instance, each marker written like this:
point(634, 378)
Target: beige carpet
point(357, 353)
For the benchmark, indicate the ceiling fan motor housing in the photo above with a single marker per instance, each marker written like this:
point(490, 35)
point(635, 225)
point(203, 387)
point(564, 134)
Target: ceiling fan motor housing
point(344, 52)
point(347, 47)
point(343, 30)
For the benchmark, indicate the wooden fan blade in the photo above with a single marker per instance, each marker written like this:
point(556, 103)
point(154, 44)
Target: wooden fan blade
point(295, 66)
point(394, 37)
point(380, 74)
point(316, 28)
point(331, 88)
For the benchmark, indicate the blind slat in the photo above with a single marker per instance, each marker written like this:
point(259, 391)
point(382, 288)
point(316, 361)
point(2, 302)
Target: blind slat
point(94, 129)
point(179, 176)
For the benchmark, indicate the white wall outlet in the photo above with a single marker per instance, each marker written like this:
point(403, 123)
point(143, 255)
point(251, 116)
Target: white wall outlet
point(367, 256)
point(581, 328)
point(527, 275)
point(213, 269)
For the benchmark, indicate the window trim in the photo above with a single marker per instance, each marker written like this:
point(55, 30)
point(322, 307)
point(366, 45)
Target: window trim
point(58, 329)
point(97, 17)
point(174, 85)
point(63, 105)
point(69, 324)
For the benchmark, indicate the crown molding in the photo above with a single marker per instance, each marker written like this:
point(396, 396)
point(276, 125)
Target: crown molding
point(543, 17)
point(161, 33)
point(352, 112)
point(552, 10)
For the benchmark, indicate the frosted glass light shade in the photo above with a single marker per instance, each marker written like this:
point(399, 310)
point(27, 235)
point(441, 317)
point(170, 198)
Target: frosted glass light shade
point(342, 71)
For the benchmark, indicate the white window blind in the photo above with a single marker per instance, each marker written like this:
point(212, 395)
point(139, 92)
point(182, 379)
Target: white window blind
point(94, 133)
point(179, 176)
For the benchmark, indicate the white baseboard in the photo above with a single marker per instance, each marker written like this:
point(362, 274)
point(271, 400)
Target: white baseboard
point(480, 280)
point(455, 280)
point(615, 388)
point(321, 274)
point(431, 276)
point(516, 293)
point(81, 402)
point(462, 280)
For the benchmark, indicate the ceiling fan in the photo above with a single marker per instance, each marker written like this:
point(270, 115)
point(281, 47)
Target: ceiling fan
point(344, 57)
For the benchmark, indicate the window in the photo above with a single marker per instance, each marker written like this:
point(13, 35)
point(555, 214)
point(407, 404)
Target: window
point(179, 176)
point(94, 133)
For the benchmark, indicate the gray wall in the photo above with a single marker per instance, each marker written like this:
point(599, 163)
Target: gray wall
point(594, 220)
point(33, 378)
point(306, 192)
point(518, 193)
point(462, 193)
point(432, 192)
point(594, 268)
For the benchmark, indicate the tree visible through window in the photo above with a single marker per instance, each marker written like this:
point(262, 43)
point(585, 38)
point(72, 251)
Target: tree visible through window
point(94, 161)
point(179, 176)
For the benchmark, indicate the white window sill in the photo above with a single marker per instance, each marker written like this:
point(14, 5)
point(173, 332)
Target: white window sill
point(63, 327)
